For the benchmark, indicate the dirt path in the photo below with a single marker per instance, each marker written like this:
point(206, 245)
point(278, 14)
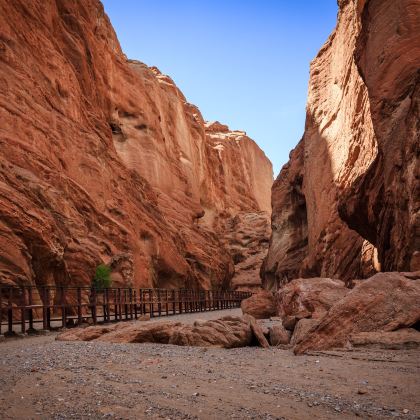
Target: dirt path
point(43, 378)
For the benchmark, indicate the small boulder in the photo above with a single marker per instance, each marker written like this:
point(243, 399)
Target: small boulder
point(261, 305)
point(227, 332)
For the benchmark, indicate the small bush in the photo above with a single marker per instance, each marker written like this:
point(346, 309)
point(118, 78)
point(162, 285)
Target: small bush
point(102, 279)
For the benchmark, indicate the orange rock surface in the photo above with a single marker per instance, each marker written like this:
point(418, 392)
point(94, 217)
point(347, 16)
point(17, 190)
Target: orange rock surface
point(260, 305)
point(227, 332)
point(347, 203)
point(309, 298)
point(383, 303)
point(102, 159)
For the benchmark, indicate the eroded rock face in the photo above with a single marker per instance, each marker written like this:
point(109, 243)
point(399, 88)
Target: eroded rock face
point(383, 204)
point(246, 237)
point(385, 302)
point(347, 203)
point(289, 223)
point(102, 159)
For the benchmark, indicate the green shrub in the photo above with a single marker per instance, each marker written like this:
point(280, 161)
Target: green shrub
point(102, 279)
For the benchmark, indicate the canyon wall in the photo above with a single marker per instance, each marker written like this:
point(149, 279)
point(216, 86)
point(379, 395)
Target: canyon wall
point(347, 203)
point(102, 159)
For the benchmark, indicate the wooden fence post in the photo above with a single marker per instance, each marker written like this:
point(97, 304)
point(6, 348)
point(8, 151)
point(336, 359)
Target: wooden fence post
point(115, 304)
point(107, 307)
point(63, 307)
point(93, 306)
point(79, 306)
point(173, 302)
point(120, 307)
point(130, 294)
point(30, 311)
point(22, 310)
point(10, 313)
point(151, 305)
point(143, 310)
point(125, 304)
point(159, 302)
point(135, 304)
point(48, 308)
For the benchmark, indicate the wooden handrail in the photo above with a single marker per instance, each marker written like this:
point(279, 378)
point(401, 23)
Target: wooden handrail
point(66, 306)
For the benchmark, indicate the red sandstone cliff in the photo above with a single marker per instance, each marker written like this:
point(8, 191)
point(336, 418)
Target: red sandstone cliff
point(347, 203)
point(102, 159)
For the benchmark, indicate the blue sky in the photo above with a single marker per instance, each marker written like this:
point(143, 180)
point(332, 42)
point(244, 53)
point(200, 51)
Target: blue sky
point(244, 63)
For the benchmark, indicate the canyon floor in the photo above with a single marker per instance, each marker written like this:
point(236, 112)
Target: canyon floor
point(44, 378)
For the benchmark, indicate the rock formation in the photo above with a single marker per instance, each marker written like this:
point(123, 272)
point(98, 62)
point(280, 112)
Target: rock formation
point(386, 302)
point(227, 332)
point(260, 305)
point(246, 237)
point(102, 159)
point(309, 298)
point(347, 203)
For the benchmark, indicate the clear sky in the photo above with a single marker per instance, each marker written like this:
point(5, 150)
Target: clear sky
point(244, 63)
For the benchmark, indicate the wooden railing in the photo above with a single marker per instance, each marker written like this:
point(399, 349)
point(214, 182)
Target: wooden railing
point(58, 307)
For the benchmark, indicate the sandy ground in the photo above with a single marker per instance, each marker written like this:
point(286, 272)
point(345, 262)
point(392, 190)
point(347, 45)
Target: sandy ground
point(44, 378)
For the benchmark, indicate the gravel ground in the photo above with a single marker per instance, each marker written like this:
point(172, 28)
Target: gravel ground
point(44, 378)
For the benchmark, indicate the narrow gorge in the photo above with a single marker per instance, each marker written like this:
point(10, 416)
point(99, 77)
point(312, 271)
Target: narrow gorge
point(151, 266)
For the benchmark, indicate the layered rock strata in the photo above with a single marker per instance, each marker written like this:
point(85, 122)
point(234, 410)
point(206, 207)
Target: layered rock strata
point(102, 159)
point(347, 203)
